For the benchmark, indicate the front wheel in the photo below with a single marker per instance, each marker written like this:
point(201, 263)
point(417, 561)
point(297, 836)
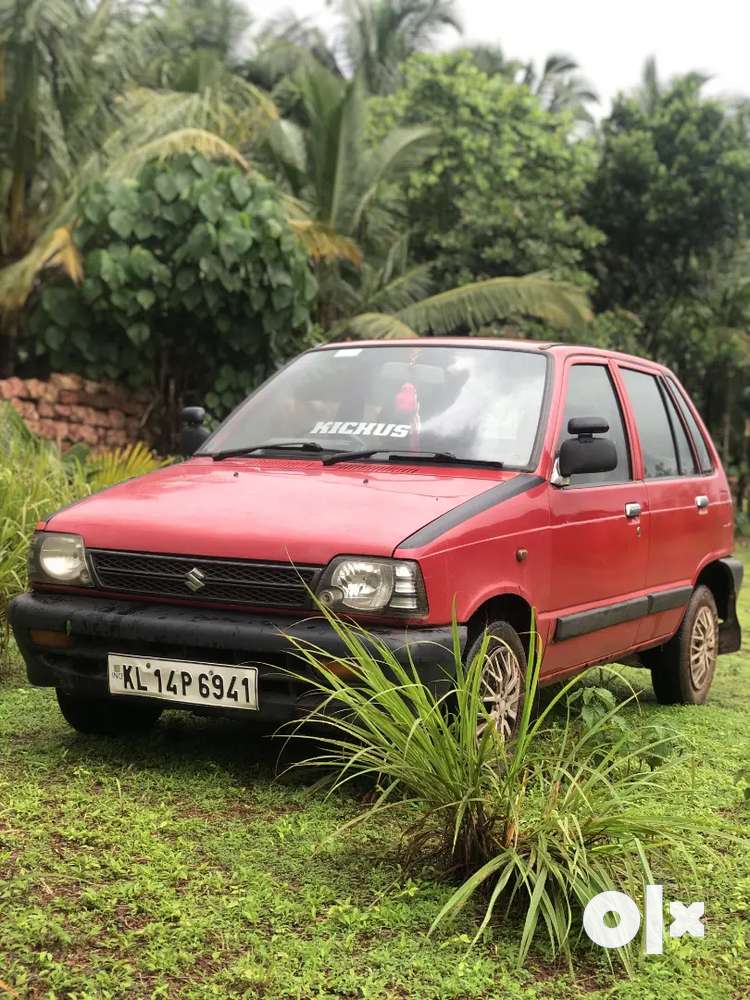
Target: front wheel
point(501, 686)
point(105, 716)
point(683, 668)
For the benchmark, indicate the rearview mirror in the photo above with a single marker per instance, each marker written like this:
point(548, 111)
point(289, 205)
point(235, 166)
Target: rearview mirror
point(585, 453)
point(193, 433)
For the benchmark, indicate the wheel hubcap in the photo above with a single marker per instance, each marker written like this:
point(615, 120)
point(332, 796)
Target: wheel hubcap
point(500, 691)
point(702, 647)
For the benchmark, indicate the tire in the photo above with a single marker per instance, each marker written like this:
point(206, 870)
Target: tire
point(683, 668)
point(104, 716)
point(503, 677)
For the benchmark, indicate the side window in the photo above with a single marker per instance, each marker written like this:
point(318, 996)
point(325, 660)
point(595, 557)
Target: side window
point(590, 393)
point(657, 442)
point(703, 456)
point(684, 451)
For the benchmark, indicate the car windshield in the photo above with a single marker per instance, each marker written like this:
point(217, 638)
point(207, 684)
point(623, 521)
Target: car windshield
point(478, 404)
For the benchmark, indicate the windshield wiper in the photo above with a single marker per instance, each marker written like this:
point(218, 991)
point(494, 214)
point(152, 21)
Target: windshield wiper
point(250, 448)
point(419, 456)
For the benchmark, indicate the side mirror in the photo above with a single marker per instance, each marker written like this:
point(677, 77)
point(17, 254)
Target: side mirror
point(192, 433)
point(585, 453)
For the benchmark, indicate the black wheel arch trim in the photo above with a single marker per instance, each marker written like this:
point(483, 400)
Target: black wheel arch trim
point(736, 570)
point(470, 508)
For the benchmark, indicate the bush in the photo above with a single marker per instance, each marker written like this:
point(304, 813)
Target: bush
point(537, 826)
point(36, 479)
point(194, 284)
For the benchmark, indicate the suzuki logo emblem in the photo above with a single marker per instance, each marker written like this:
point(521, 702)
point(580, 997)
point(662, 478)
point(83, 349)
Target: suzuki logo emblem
point(194, 579)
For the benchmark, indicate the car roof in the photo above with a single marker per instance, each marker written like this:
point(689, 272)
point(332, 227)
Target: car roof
point(555, 348)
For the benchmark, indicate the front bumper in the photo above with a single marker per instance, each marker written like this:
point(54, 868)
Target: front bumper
point(98, 626)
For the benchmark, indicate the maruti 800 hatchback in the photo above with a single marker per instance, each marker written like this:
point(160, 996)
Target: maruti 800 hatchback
point(400, 483)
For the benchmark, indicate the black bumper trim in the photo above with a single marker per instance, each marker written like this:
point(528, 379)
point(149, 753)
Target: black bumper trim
point(99, 624)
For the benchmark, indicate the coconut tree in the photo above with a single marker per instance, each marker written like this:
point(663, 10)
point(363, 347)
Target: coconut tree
point(326, 162)
point(374, 39)
point(560, 87)
point(62, 64)
point(191, 45)
point(348, 187)
point(69, 112)
point(378, 35)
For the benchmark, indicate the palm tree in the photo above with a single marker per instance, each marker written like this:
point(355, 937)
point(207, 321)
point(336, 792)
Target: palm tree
point(328, 164)
point(193, 44)
point(62, 64)
point(560, 87)
point(378, 35)
point(347, 187)
point(69, 112)
point(283, 44)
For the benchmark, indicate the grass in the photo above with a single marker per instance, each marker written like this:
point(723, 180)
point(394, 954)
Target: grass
point(36, 479)
point(177, 865)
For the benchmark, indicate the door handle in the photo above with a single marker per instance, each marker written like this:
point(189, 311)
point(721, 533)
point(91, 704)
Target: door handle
point(632, 510)
point(701, 502)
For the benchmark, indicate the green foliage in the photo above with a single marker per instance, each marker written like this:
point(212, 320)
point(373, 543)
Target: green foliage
point(672, 189)
point(501, 195)
point(36, 479)
point(110, 467)
point(194, 282)
point(539, 825)
point(34, 482)
point(559, 304)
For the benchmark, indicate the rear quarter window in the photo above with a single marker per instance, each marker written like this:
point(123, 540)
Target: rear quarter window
point(704, 456)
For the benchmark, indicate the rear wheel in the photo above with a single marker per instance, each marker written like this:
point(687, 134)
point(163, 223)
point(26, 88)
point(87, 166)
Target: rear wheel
point(104, 716)
point(501, 686)
point(683, 668)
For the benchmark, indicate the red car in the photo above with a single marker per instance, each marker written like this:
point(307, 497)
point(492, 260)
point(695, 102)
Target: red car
point(397, 482)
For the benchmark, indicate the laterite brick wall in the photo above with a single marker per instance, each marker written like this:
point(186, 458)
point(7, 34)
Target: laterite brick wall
point(69, 409)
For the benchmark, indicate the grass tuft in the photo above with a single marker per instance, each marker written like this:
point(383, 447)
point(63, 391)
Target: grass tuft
point(536, 826)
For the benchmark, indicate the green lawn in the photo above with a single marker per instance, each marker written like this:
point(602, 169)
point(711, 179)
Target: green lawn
point(177, 865)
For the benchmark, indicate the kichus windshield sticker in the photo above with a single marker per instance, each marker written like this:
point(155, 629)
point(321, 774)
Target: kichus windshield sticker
point(360, 428)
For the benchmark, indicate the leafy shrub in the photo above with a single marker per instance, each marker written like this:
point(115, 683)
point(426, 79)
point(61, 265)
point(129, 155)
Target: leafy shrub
point(109, 467)
point(34, 482)
point(537, 826)
point(36, 479)
point(194, 283)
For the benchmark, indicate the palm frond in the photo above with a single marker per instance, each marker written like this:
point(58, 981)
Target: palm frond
point(56, 249)
point(324, 243)
point(391, 294)
point(376, 326)
point(556, 302)
point(402, 150)
point(184, 140)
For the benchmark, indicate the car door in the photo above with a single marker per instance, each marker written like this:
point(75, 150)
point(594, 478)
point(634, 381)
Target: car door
point(599, 526)
point(679, 488)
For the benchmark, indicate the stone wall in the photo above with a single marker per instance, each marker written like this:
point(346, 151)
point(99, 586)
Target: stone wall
point(70, 409)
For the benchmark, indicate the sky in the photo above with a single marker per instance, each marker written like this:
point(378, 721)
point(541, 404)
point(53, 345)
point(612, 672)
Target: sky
point(609, 40)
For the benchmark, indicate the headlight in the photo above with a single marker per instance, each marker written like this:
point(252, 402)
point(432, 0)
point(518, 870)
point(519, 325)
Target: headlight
point(58, 558)
point(362, 584)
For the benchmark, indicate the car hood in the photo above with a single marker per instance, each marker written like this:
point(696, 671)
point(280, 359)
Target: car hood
point(271, 509)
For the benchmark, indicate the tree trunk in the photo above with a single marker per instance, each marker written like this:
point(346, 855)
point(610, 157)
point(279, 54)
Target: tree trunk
point(8, 335)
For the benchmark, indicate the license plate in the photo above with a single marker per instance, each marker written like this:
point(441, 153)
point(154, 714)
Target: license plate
point(183, 681)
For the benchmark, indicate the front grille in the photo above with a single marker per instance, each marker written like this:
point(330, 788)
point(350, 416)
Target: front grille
point(272, 585)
